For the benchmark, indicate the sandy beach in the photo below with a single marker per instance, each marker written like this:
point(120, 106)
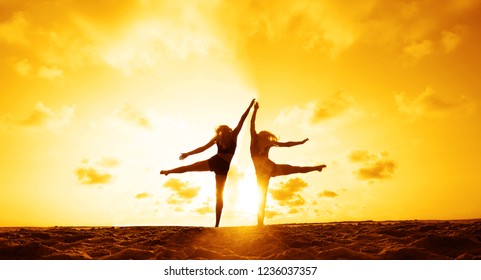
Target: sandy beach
point(400, 240)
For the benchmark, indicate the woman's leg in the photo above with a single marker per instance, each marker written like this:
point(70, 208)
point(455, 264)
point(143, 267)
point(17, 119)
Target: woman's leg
point(263, 184)
point(286, 169)
point(219, 186)
point(198, 166)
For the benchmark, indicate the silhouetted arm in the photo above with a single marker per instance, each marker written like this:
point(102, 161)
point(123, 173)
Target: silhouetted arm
point(242, 119)
point(253, 120)
point(290, 143)
point(198, 150)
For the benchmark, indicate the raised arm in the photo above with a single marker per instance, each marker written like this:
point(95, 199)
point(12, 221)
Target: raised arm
point(253, 120)
point(290, 143)
point(242, 119)
point(198, 150)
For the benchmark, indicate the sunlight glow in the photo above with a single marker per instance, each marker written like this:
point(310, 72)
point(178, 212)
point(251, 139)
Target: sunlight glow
point(248, 195)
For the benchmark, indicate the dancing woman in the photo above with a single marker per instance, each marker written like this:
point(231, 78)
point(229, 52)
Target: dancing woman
point(226, 140)
point(265, 168)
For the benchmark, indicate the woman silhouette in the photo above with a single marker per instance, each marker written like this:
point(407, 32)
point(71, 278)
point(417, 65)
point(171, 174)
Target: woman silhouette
point(265, 168)
point(226, 140)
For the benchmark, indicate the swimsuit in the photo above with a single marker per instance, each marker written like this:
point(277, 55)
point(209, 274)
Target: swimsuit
point(264, 167)
point(219, 165)
point(229, 150)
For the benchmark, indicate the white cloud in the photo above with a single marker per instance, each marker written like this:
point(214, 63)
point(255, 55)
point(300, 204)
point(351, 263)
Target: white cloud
point(154, 42)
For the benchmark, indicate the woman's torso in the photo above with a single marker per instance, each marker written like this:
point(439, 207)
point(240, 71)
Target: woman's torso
point(260, 156)
point(227, 153)
point(257, 151)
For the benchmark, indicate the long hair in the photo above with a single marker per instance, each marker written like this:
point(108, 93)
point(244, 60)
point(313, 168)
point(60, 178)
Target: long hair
point(224, 136)
point(265, 139)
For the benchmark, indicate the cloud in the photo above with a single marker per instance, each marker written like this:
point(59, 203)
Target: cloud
point(50, 72)
point(296, 200)
point(95, 172)
point(269, 214)
point(361, 156)
point(418, 50)
point(374, 166)
point(205, 210)
point(127, 36)
point(416, 29)
point(23, 67)
point(143, 195)
point(446, 42)
point(91, 176)
point(381, 169)
point(462, 5)
point(13, 31)
point(134, 35)
point(153, 42)
point(450, 40)
point(293, 211)
point(46, 35)
point(431, 104)
point(287, 193)
point(44, 117)
point(182, 192)
point(323, 26)
point(331, 27)
point(332, 107)
point(109, 162)
point(134, 116)
point(336, 106)
point(327, 193)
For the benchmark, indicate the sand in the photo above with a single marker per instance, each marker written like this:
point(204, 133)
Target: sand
point(399, 240)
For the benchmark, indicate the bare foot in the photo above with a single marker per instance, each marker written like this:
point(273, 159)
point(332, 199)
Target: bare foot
point(320, 167)
point(164, 172)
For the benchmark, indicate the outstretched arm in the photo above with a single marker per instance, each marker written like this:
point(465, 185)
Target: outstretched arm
point(253, 120)
point(198, 150)
point(242, 119)
point(290, 143)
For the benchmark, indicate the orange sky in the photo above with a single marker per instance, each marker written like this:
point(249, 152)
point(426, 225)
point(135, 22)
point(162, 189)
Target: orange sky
point(96, 98)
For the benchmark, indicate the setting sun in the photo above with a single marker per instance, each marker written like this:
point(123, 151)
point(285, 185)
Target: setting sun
point(248, 197)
